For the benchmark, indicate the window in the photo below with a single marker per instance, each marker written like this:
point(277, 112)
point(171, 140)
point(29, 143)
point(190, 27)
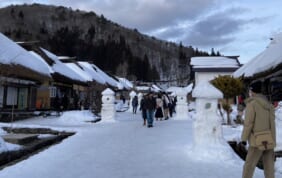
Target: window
point(12, 98)
point(53, 92)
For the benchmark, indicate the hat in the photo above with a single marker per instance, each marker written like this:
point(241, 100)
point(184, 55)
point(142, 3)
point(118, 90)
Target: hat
point(256, 87)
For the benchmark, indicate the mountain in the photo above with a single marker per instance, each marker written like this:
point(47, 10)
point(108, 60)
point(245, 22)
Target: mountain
point(87, 36)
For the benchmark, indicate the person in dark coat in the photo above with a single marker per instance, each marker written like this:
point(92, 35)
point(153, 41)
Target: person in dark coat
point(57, 104)
point(122, 98)
point(134, 104)
point(65, 102)
point(143, 109)
point(150, 105)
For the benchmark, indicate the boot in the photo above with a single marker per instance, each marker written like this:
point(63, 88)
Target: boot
point(144, 123)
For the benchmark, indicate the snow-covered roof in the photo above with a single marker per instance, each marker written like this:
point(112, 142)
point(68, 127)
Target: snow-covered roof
point(189, 87)
point(206, 90)
point(172, 89)
point(112, 82)
point(96, 76)
point(108, 91)
point(266, 60)
point(175, 89)
point(41, 59)
point(125, 83)
point(79, 71)
point(153, 88)
point(12, 53)
point(142, 88)
point(214, 62)
point(62, 68)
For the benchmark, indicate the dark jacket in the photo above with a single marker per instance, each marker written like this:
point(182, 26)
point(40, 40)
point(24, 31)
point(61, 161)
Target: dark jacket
point(135, 101)
point(142, 104)
point(150, 103)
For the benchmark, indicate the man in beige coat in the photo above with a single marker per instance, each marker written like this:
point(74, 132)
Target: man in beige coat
point(259, 116)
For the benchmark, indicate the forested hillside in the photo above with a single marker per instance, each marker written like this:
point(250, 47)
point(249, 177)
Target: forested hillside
point(87, 36)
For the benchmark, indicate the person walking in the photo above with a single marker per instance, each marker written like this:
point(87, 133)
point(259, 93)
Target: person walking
point(134, 104)
point(166, 104)
point(150, 105)
point(159, 105)
point(143, 109)
point(259, 116)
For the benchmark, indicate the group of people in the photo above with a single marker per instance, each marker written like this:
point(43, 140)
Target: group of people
point(159, 106)
point(259, 118)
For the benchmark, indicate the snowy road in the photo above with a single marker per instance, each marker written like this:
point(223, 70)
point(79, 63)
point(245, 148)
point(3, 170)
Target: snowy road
point(122, 149)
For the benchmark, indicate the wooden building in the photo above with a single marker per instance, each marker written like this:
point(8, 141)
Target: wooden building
point(267, 68)
point(20, 76)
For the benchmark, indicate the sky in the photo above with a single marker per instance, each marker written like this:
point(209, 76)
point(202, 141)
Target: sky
point(232, 27)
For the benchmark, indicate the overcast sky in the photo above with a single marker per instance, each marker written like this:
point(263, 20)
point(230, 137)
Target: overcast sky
point(232, 27)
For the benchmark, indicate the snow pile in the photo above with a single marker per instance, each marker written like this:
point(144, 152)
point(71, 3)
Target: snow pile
point(3, 146)
point(120, 106)
point(278, 165)
point(77, 117)
point(220, 152)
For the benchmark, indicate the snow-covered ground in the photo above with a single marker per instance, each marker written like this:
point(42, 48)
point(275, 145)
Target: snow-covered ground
point(126, 149)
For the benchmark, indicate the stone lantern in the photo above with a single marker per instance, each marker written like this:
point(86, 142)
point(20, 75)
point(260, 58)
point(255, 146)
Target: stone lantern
point(207, 130)
point(181, 104)
point(207, 124)
point(108, 105)
point(131, 94)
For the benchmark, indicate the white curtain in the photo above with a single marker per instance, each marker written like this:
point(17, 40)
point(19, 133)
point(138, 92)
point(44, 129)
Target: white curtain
point(12, 98)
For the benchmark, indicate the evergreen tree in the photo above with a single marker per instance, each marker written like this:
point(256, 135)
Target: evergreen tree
point(212, 52)
point(145, 69)
point(91, 33)
point(230, 87)
point(21, 15)
point(12, 12)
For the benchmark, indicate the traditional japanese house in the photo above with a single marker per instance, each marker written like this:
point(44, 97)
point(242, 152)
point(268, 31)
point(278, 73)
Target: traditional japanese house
point(20, 76)
point(62, 91)
point(124, 88)
point(66, 86)
point(267, 68)
point(96, 86)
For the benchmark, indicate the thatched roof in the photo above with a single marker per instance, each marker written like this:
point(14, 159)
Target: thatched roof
point(266, 64)
point(22, 72)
